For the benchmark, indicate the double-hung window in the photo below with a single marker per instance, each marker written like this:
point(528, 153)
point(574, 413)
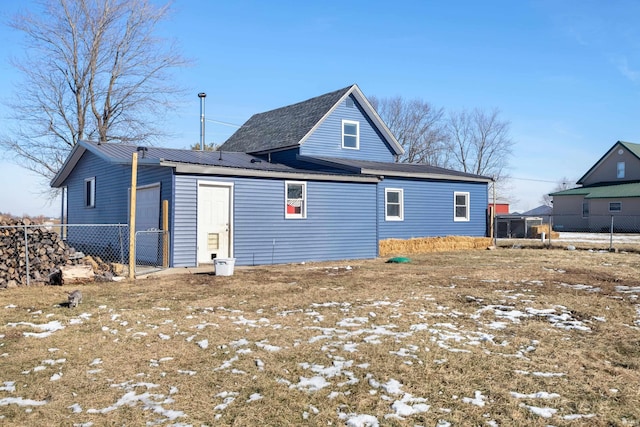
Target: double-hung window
point(585, 209)
point(90, 192)
point(394, 204)
point(295, 199)
point(461, 206)
point(620, 170)
point(351, 134)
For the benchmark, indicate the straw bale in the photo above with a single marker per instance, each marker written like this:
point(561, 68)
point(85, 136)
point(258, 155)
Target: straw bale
point(432, 244)
point(537, 230)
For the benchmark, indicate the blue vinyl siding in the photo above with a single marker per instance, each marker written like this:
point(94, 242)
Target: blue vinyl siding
point(287, 157)
point(428, 209)
point(112, 189)
point(112, 182)
point(326, 140)
point(340, 222)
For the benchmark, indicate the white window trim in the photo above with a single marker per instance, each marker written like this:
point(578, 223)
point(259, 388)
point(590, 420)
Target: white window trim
point(351, 122)
point(91, 201)
point(401, 202)
point(466, 218)
point(620, 170)
point(302, 215)
point(619, 210)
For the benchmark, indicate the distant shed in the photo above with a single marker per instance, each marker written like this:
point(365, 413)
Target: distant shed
point(516, 226)
point(502, 208)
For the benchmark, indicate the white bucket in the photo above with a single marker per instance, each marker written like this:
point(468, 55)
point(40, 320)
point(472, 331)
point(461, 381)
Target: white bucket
point(542, 236)
point(224, 266)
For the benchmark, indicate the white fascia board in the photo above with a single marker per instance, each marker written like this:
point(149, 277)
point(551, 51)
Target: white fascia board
point(254, 173)
point(371, 112)
point(68, 166)
point(377, 120)
point(327, 114)
point(424, 175)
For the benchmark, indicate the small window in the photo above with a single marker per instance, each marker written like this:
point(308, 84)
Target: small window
point(394, 204)
point(295, 199)
point(620, 169)
point(350, 134)
point(461, 206)
point(90, 192)
point(615, 206)
point(585, 209)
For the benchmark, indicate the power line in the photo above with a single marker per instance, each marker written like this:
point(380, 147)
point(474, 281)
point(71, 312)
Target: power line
point(536, 180)
point(223, 123)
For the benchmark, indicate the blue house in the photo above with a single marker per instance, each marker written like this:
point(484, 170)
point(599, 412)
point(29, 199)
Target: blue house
point(316, 180)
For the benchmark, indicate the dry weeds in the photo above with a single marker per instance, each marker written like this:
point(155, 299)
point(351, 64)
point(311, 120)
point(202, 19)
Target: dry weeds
point(503, 337)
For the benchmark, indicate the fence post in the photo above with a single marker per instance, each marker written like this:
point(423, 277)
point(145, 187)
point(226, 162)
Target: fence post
point(165, 235)
point(132, 216)
point(611, 235)
point(26, 254)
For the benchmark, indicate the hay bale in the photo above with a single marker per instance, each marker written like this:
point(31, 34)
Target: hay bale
point(535, 232)
point(432, 244)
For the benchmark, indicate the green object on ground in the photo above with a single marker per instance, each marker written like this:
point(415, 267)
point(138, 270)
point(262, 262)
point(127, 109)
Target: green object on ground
point(399, 260)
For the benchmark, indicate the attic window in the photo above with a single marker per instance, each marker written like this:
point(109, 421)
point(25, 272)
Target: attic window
point(351, 134)
point(620, 170)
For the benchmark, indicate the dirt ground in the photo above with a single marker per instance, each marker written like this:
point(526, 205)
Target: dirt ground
point(528, 337)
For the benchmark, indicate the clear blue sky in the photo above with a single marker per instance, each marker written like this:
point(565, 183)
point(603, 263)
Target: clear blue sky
point(565, 74)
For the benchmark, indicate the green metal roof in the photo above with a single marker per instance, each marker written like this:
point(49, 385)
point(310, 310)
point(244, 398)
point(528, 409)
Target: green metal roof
point(634, 148)
point(617, 191)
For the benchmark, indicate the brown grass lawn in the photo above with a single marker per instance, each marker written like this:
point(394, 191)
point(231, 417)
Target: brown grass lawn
point(471, 338)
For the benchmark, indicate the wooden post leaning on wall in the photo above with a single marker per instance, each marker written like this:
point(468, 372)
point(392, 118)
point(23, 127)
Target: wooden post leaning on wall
point(165, 234)
point(132, 216)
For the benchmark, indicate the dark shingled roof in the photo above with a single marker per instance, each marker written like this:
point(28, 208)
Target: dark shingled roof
point(283, 127)
point(392, 169)
point(240, 163)
point(121, 153)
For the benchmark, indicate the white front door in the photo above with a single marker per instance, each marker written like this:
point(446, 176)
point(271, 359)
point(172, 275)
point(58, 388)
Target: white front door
point(214, 226)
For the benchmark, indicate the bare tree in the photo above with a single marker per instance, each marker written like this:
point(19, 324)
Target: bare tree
point(92, 69)
point(564, 184)
point(480, 143)
point(418, 127)
point(211, 146)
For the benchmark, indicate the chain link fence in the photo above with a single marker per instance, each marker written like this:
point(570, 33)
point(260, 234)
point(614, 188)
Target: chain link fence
point(602, 232)
point(151, 250)
point(33, 253)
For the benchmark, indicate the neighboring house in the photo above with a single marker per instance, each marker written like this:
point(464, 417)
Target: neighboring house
point(316, 180)
point(609, 194)
point(542, 210)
